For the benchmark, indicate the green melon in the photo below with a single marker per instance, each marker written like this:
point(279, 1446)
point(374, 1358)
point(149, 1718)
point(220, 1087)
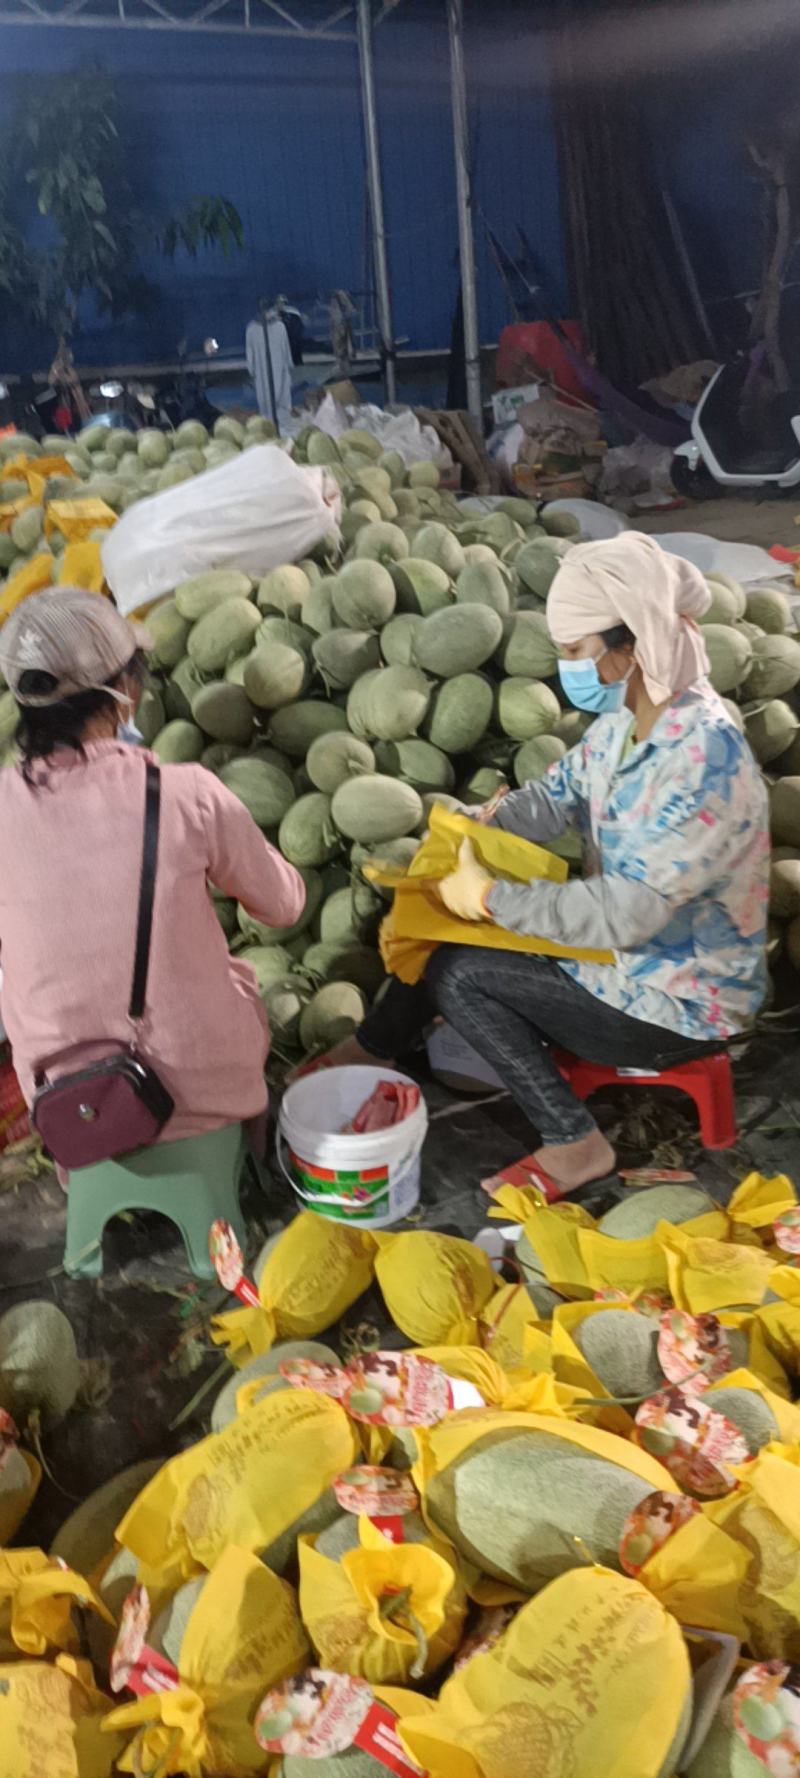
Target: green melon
point(458, 640)
point(725, 606)
point(180, 743)
point(181, 689)
point(435, 543)
point(333, 1013)
point(536, 566)
point(396, 703)
point(225, 713)
point(382, 542)
point(526, 708)
point(194, 598)
point(363, 595)
point(784, 883)
point(784, 802)
point(345, 960)
point(274, 675)
point(266, 791)
point(343, 655)
point(39, 1366)
point(770, 609)
point(307, 836)
point(318, 612)
point(398, 638)
point(26, 529)
point(286, 631)
point(150, 715)
point(416, 762)
point(332, 759)
point(375, 808)
point(259, 934)
point(483, 583)
point(482, 784)
point(86, 1537)
point(460, 713)
point(622, 1349)
point(640, 1212)
point(229, 430)
point(770, 728)
point(775, 668)
point(422, 587)
point(293, 728)
point(528, 649)
point(222, 634)
point(169, 633)
point(730, 656)
point(271, 963)
point(536, 756)
point(152, 449)
point(284, 590)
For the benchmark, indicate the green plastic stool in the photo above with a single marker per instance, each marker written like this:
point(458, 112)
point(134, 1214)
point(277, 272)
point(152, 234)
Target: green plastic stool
point(193, 1182)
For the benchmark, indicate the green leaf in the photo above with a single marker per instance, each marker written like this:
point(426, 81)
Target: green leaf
point(105, 234)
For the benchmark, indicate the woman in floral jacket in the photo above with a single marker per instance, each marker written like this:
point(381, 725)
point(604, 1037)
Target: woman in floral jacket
point(672, 810)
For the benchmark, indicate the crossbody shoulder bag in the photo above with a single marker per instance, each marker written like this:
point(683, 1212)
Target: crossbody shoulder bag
point(117, 1104)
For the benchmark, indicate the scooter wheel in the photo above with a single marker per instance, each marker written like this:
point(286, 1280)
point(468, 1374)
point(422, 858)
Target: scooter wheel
point(693, 484)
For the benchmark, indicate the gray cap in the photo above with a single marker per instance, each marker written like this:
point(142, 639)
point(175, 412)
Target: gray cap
point(79, 638)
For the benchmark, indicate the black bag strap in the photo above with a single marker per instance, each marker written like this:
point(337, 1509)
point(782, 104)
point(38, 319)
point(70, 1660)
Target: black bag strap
point(147, 885)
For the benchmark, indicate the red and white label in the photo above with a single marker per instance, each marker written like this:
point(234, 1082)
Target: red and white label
point(699, 1447)
point(766, 1712)
point(318, 1714)
point(651, 1524)
point(135, 1665)
point(226, 1258)
point(693, 1349)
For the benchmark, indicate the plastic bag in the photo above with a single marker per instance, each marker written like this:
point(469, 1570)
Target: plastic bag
point(35, 574)
point(82, 565)
point(434, 1286)
point(387, 1614)
point(243, 1636)
point(591, 1678)
point(51, 1722)
point(419, 920)
point(253, 513)
point(247, 1485)
point(696, 1570)
point(707, 1273)
point(763, 1516)
point(76, 518)
point(314, 1272)
point(36, 1599)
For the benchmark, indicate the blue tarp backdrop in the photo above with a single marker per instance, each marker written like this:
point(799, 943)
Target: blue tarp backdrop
point(275, 125)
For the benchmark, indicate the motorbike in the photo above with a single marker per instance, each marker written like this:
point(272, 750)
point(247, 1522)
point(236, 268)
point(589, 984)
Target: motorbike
point(745, 433)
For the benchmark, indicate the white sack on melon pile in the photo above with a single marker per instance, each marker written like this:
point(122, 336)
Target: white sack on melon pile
point(253, 513)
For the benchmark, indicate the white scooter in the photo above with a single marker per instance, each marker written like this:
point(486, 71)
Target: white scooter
point(744, 434)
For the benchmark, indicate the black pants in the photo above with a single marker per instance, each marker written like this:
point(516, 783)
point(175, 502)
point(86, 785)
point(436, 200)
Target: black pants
point(511, 1007)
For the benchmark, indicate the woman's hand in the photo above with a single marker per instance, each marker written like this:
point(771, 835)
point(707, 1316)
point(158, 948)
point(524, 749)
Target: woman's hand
point(464, 891)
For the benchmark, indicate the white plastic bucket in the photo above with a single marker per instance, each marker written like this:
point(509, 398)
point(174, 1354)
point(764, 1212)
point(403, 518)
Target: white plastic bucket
point(370, 1180)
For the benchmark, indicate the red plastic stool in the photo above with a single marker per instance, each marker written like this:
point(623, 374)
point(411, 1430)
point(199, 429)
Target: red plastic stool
point(709, 1082)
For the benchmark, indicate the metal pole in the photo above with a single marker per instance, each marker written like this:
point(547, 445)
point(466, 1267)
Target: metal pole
point(367, 65)
point(264, 314)
point(466, 243)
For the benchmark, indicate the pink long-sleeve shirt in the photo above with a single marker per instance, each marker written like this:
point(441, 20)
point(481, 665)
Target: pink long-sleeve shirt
point(70, 860)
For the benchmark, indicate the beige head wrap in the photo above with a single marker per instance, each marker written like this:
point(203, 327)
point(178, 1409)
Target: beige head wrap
point(631, 580)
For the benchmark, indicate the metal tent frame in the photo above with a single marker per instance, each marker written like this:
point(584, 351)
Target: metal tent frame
point(355, 22)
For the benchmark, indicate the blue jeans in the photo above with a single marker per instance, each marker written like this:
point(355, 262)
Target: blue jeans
point(510, 1007)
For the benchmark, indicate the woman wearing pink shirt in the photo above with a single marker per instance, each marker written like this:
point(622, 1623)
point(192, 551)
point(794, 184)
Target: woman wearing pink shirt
point(71, 819)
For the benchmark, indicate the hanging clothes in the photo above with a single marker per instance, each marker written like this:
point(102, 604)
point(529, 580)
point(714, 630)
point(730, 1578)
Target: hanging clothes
point(281, 356)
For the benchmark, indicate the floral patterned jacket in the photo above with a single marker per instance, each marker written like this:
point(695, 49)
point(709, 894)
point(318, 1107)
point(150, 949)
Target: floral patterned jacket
point(676, 856)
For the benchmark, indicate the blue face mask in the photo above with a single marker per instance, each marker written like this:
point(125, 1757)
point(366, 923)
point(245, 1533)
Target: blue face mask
point(585, 689)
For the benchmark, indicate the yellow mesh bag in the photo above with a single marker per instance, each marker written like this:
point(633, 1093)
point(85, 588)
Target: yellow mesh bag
point(314, 1272)
point(51, 1722)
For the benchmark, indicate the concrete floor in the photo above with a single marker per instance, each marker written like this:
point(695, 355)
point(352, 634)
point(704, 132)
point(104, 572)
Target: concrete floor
point(733, 518)
point(144, 1324)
